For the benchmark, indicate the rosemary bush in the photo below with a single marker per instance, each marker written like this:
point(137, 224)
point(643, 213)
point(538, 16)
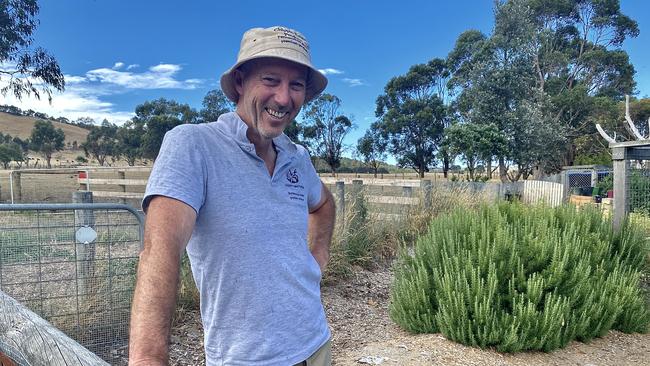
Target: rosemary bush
point(516, 277)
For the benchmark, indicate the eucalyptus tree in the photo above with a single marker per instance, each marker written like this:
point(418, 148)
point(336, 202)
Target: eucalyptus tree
point(101, 142)
point(46, 139)
point(412, 116)
point(325, 128)
point(372, 149)
point(157, 117)
point(579, 61)
point(25, 70)
point(215, 103)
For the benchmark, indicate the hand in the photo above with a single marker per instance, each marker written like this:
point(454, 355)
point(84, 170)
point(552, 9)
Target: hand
point(322, 256)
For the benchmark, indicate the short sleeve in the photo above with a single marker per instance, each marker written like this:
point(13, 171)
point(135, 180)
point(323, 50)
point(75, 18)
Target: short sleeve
point(179, 171)
point(314, 185)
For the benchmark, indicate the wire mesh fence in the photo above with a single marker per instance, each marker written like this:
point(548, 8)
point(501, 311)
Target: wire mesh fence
point(110, 184)
point(586, 176)
point(75, 266)
point(638, 189)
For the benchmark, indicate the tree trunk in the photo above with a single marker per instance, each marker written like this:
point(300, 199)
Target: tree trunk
point(445, 164)
point(569, 155)
point(488, 164)
point(503, 171)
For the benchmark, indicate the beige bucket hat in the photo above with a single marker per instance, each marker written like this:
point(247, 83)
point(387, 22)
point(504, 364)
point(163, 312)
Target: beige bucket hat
point(278, 42)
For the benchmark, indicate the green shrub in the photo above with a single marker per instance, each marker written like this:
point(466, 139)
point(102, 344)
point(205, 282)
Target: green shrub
point(188, 294)
point(518, 278)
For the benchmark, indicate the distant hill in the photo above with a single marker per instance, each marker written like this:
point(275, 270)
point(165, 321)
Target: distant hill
point(22, 126)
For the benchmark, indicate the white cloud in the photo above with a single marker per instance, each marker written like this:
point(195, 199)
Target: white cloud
point(157, 77)
point(85, 95)
point(353, 82)
point(71, 79)
point(71, 105)
point(330, 71)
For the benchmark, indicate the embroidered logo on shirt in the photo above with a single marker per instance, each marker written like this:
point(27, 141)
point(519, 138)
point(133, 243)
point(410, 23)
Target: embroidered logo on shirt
point(292, 176)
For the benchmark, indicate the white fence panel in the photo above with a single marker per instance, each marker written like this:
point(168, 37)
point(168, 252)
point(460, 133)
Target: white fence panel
point(536, 191)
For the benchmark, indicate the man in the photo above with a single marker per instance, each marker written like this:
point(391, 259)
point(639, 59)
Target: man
point(244, 199)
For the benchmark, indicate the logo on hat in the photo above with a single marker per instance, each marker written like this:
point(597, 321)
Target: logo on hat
point(292, 176)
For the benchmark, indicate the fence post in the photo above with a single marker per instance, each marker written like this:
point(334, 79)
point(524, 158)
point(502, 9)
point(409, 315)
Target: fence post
point(19, 187)
point(621, 167)
point(357, 186)
point(594, 177)
point(425, 185)
point(85, 251)
point(564, 180)
point(340, 200)
point(121, 175)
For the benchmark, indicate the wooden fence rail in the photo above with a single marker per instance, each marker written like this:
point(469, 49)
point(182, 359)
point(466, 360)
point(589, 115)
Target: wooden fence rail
point(395, 196)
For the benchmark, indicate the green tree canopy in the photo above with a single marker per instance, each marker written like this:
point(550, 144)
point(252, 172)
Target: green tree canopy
point(101, 142)
point(412, 116)
point(156, 118)
point(325, 129)
point(129, 142)
point(26, 69)
point(372, 148)
point(10, 151)
point(46, 139)
point(215, 103)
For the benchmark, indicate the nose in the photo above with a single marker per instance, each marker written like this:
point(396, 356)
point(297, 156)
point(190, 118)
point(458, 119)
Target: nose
point(283, 95)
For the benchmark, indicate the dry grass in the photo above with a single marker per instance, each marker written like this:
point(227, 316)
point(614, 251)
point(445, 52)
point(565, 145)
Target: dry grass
point(21, 126)
point(363, 238)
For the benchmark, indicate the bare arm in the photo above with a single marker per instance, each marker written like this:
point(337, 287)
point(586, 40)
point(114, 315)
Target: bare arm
point(168, 228)
point(321, 227)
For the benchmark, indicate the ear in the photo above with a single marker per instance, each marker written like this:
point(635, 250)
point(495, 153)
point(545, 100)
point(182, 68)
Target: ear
point(238, 77)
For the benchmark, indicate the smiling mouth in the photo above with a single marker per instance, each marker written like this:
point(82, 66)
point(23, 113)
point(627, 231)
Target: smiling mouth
point(275, 114)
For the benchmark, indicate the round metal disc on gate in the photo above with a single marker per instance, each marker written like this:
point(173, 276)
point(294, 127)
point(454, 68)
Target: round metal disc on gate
point(86, 235)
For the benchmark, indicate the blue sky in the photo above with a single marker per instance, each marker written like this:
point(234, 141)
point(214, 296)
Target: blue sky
point(117, 54)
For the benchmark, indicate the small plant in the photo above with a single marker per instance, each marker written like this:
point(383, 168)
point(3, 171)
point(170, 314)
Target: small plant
point(606, 184)
point(188, 294)
point(522, 278)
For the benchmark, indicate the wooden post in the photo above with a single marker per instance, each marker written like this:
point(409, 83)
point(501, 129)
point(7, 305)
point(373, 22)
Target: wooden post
point(19, 187)
point(425, 185)
point(594, 177)
point(85, 251)
point(564, 180)
point(37, 342)
point(357, 187)
point(621, 202)
point(122, 175)
point(340, 200)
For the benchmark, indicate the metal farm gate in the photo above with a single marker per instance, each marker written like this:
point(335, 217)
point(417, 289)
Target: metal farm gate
point(74, 265)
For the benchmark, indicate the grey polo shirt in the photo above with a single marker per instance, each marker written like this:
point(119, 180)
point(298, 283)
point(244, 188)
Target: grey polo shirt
point(259, 283)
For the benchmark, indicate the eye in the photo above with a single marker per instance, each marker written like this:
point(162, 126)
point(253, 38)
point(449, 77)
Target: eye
point(298, 85)
point(269, 80)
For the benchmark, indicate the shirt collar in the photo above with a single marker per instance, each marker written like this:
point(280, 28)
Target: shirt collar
point(232, 125)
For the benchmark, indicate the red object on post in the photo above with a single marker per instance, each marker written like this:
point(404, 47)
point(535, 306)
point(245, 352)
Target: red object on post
point(82, 175)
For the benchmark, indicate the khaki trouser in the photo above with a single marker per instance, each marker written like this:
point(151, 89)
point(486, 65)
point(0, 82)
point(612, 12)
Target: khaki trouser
point(322, 357)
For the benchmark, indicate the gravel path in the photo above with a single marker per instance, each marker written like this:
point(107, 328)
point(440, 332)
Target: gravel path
point(357, 309)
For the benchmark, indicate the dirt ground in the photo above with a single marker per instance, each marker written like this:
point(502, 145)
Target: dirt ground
point(357, 309)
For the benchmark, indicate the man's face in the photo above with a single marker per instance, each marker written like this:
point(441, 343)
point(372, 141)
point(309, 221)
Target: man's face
point(271, 93)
